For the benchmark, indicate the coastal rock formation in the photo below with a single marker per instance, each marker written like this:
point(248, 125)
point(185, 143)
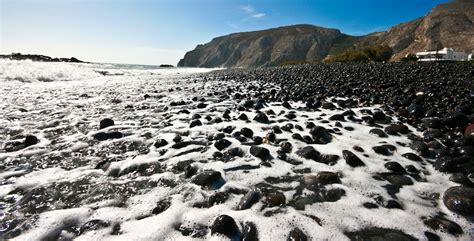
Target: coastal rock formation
point(38, 58)
point(446, 25)
point(263, 48)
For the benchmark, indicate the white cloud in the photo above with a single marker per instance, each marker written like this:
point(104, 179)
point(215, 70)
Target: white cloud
point(251, 12)
point(259, 15)
point(247, 9)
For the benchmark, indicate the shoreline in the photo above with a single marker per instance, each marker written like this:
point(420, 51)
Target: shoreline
point(265, 153)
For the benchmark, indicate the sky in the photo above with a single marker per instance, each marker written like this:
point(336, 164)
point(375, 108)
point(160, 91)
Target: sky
point(162, 31)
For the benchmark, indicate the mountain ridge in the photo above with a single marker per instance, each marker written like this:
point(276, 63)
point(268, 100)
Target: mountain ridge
point(446, 25)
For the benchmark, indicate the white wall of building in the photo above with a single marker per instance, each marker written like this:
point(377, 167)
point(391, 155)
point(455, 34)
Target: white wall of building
point(446, 54)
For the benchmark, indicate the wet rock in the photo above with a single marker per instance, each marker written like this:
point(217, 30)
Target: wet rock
point(461, 178)
point(275, 198)
point(444, 225)
point(217, 198)
point(208, 178)
point(94, 224)
point(160, 143)
point(286, 105)
point(196, 231)
point(102, 136)
point(392, 204)
point(189, 171)
point(309, 152)
point(420, 147)
point(221, 144)
point(260, 152)
point(228, 129)
point(358, 148)
point(288, 127)
point(286, 147)
point(460, 200)
point(225, 225)
point(177, 138)
point(412, 157)
point(201, 105)
point(249, 232)
point(161, 206)
point(194, 123)
point(257, 140)
point(297, 235)
point(370, 205)
point(396, 129)
point(416, 111)
point(379, 234)
point(30, 140)
point(378, 132)
point(337, 117)
point(243, 117)
point(271, 137)
point(329, 159)
point(394, 167)
point(319, 195)
point(432, 123)
point(449, 164)
point(247, 104)
point(379, 116)
point(328, 105)
point(216, 136)
point(13, 146)
point(321, 179)
point(412, 169)
point(456, 119)
point(397, 180)
point(352, 159)
point(320, 135)
point(385, 150)
point(261, 117)
point(249, 199)
point(247, 132)
point(104, 123)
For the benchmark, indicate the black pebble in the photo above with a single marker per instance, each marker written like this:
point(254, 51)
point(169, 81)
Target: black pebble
point(260, 152)
point(30, 140)
point(160, 143)
point(352, 159)
point(225, 225)
point(222, 144)
point(106, 123)
point(394, 167)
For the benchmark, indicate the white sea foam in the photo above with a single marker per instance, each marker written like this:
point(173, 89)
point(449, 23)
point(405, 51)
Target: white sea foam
point(29, 71)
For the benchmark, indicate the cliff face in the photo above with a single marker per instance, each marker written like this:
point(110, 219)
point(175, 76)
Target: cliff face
point(446, 25)
point(263, 48)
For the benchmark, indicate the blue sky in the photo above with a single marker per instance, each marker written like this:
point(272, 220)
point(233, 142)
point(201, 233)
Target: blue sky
point(161, 31)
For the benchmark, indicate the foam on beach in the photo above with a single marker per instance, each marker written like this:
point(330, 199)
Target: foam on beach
point(67, 153)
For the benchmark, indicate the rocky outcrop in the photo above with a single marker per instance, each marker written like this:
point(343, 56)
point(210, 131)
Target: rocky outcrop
point(446, 25)
point(38, 58)
point(264, 48)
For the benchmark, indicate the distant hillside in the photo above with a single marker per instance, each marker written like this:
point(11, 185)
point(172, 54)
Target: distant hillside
point(446, 25)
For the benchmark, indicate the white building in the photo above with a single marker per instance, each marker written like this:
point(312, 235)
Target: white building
point(446, 54)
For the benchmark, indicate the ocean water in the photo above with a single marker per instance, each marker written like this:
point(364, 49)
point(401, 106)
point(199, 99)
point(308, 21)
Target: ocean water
point(29, 71)
point(72, 186)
